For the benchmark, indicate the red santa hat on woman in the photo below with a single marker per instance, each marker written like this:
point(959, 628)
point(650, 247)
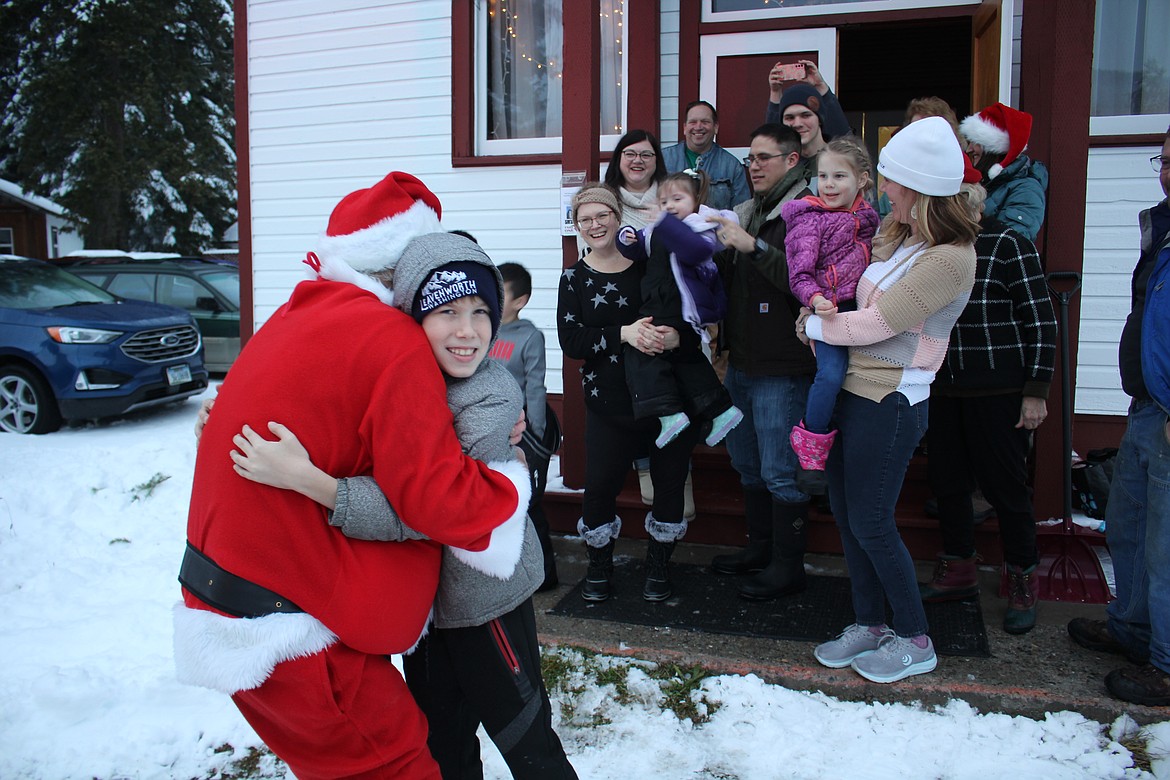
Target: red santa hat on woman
point(369, 229)
point(999, 129)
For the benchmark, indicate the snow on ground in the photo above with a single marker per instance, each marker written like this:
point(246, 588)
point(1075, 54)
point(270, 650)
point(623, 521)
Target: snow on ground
point(91, 533)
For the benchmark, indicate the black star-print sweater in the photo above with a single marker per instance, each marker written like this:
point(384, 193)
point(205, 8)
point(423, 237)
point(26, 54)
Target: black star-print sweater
point(591, 309)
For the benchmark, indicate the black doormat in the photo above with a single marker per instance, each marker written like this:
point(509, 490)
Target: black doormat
point(703, 601)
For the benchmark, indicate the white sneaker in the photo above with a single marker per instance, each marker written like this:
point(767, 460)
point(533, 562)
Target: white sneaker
point(896, 659)
point(853, 643)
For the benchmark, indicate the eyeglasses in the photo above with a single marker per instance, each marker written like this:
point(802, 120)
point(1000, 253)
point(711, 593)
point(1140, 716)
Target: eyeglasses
point(631, 155)
point(601, 219)
point(762, 159)
point(1158, 162)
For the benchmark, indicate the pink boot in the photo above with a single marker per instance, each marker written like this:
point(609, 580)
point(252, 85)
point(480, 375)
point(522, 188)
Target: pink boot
point(812, 450)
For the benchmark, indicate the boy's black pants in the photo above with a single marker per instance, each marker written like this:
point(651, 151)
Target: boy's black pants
point(488, 674)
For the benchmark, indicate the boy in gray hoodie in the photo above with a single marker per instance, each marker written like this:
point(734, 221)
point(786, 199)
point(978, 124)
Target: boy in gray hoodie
point(481, 663)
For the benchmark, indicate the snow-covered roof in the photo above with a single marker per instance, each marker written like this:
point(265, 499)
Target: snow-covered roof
point(13, 190)
point(108, 253)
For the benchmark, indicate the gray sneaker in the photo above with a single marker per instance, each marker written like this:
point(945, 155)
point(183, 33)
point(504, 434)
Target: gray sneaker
point(896, 659)
point(855, 642)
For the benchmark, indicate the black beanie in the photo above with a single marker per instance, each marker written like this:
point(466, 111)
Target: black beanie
point(805, 95)
point(457, 280)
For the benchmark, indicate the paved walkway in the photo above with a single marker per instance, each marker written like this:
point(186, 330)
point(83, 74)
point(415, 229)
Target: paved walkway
point(1041, 671)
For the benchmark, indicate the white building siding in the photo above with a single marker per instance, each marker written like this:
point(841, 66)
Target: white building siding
point(341, 93)
point(1120, 184)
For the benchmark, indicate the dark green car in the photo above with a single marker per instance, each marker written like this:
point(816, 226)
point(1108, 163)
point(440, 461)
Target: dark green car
point(208, 289)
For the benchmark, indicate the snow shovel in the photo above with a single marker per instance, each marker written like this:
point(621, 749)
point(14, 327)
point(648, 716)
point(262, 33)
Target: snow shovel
point(1069, 569)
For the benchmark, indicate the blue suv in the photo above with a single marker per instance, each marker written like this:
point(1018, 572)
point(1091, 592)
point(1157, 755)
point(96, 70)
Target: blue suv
point(70, 350)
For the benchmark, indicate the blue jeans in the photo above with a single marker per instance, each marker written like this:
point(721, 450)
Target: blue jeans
point(759, 446)
point(1137, 528)
point(832, 362)
point(874, 445)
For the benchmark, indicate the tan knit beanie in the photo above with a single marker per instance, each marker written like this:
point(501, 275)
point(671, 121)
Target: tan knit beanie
point(596, 192)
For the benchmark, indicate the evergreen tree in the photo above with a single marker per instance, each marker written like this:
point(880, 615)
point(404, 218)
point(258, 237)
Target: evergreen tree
point(121, 111)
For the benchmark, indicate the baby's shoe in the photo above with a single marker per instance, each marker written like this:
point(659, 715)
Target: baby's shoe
point(672, 426)
point(722, 425)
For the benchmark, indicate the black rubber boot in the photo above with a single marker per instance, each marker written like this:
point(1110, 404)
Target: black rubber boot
point(785, 574)
point(657, 587)
point(757, 511)
point(597, 578)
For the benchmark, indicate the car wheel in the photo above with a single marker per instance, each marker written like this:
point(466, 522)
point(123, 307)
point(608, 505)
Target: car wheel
point(27, 404)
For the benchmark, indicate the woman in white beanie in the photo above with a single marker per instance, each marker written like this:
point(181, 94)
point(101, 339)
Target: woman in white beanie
point(908, 300)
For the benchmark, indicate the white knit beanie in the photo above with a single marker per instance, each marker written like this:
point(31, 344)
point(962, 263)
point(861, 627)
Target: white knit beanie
point(924, 156)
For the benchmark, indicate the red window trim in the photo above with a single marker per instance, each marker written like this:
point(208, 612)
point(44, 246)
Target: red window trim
point(642, 90)
point(1137, 139)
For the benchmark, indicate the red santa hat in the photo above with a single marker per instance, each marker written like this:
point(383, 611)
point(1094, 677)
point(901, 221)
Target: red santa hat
point(369, 229)
point(999, 129)
point(971, 174)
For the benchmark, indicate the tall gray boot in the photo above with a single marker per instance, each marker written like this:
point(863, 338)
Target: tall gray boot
point(600, 542)
point(663, 537)
point(784, 575)
point(757, 511)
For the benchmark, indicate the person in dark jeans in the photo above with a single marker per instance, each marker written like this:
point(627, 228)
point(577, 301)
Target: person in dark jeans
point(769, 371)
point(1137, 519)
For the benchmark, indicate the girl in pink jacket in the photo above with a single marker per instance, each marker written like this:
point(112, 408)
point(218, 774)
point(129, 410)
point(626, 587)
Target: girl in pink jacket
point(828, 245)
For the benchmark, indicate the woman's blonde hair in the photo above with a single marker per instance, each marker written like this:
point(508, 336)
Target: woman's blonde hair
point(945, 219)
point(975, 195)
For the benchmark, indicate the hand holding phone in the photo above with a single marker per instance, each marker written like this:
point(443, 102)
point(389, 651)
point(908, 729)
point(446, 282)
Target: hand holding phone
point(788, 71)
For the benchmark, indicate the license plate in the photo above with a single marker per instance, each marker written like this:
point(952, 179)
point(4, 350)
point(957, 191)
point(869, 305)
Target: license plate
point(177, 375)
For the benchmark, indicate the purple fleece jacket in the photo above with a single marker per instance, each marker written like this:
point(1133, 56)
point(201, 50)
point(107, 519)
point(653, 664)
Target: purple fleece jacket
point(691, 242)
point(828, 249)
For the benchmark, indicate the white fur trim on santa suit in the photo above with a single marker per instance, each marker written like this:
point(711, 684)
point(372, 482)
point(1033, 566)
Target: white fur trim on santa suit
point(503, 551)
point(237, 654)
point(378, 247)
point(337, 271)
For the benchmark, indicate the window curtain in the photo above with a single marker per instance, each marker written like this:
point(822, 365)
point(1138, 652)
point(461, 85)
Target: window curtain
point(1131, 58)
point(524, 46)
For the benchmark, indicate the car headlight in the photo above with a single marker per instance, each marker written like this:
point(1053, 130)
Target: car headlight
point(71, 335)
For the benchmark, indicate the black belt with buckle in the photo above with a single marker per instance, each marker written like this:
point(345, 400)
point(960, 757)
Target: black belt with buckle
point(217, 587)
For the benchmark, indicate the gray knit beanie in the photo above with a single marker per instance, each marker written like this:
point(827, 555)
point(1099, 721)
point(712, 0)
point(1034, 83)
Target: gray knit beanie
point(596, 192)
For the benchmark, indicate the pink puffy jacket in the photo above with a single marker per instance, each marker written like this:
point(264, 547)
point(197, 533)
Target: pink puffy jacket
point(828, 249)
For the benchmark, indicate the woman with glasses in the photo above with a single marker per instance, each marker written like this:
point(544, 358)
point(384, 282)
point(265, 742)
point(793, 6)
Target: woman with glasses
point(597, 313)
point(634, 173)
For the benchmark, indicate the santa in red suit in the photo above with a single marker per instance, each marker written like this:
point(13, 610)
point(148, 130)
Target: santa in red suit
point(282, 611)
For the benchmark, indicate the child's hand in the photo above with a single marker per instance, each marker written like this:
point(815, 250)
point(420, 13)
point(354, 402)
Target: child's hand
point(518, 430)
point(281, 463)
point(202, 418)
point(822, 306)
point(627, 235)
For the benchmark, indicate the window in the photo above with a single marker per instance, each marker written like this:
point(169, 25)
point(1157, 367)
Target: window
point(518, 75)
point(180, 291)
point(140, 287)
point(1131, 67)
point(7, 242)
point(733, 10)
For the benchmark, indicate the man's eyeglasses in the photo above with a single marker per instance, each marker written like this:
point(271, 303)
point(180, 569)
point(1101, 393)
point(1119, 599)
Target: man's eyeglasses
point(762, 159)
point(631, 155)
point(1158, 162)
point(601, 219)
